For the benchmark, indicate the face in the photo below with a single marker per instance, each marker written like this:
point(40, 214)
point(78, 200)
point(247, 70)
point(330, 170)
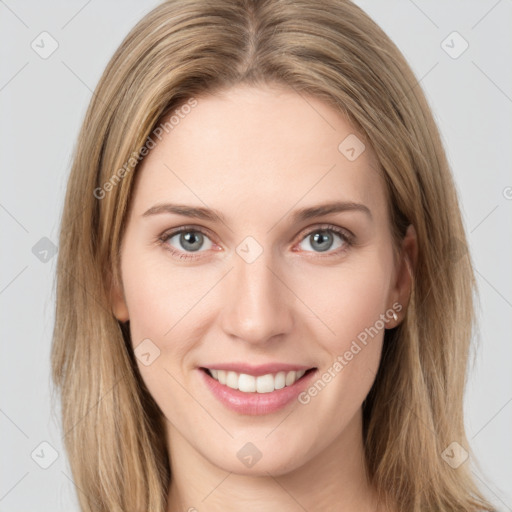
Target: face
point(260, 249)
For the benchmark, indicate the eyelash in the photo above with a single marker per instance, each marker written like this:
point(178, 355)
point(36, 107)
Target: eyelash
point(346, 236)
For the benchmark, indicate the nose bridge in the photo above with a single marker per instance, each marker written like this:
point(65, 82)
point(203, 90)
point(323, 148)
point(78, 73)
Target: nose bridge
point(256, 304)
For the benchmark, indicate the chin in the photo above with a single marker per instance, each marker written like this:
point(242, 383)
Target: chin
point(250, 460)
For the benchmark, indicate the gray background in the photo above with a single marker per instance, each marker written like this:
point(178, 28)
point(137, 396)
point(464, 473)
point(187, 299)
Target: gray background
point(43, 102)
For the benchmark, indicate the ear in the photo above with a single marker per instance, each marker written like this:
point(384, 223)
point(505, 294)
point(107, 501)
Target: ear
point(404, 275)
point(118, 302)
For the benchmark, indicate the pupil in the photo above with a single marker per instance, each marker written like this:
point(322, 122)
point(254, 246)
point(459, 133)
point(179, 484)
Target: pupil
point(321, 238)
point(188, 239)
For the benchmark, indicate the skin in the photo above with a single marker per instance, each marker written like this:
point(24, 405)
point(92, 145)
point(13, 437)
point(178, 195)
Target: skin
point(256, 155)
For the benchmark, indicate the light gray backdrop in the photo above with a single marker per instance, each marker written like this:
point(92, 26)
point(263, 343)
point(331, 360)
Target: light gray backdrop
point(44, 91)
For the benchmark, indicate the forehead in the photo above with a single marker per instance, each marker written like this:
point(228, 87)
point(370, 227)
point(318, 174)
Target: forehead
point(249, 148)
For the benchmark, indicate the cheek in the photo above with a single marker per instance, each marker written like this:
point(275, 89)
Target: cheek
point(160, 303)
point(349, 299)
point(158, 297)
point(352, 304)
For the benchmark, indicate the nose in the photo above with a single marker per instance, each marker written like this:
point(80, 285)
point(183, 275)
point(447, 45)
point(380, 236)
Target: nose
point(257, 306)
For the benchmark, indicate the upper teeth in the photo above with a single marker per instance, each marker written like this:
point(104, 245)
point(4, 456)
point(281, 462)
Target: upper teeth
point(262, 384)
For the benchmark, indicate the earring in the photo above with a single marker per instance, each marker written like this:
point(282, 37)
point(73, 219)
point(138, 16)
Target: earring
point(395, 317)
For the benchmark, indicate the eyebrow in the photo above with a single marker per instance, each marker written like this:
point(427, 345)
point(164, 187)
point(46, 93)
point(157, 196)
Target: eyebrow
point(298, 216)
point(334, 207)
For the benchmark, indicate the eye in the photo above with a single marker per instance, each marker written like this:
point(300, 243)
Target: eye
point(325, 239)
point(186, 240)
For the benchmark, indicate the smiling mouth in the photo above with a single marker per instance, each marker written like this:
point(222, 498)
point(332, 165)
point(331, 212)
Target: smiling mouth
point(257, 384)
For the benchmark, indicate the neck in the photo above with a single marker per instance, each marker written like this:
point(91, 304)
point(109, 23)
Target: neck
point(335, 479)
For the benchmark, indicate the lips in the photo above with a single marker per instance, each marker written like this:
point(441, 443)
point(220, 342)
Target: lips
point(255, 390)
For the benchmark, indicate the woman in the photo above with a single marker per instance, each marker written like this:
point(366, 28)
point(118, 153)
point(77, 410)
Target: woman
point(264, 298)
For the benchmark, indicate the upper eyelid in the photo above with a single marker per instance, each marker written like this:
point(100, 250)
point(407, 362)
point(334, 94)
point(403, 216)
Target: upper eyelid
point(169, 233)
point(327, 227)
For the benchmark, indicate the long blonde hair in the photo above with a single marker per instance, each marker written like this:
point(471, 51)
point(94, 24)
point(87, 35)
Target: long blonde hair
point(329, 49)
